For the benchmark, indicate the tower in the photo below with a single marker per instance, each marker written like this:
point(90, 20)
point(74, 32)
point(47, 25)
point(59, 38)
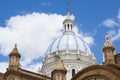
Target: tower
point(14, 58)
point(108, 51)
point(59, 72)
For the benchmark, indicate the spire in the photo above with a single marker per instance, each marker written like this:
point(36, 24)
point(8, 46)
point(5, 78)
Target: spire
point(108, 51)
point(68, 22)
point(15, 51)
point(14, 58)
point(60, 65)
point(59, 72)
point(68, 10)
point(68, 15)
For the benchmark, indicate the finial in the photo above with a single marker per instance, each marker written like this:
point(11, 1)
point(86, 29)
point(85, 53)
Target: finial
point(107, 36)
point(68, 10)
point(68, 7)
point(15, 45)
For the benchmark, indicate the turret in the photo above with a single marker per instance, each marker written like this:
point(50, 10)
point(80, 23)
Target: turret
point(14, 58)
point(59, 72)
point(108, 51)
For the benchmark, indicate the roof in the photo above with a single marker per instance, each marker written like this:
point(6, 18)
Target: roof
point(15, 51)
point(28, 74)
point(69, 42)
point(59, 65)
point(1, 74)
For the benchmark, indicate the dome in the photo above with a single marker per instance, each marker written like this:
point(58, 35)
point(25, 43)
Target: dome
point(70, 48)
point(68, 42)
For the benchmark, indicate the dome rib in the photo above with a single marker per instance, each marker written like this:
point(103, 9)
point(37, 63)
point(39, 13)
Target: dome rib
point(52, 44)
point(59, 42)
point(84, 43)
point(67, 45)
point(76, 42)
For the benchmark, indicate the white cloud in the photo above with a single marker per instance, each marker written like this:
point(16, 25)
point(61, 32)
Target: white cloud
point(3, 66)
point(89, 40)
point(85, 36)
point(118, 14)
point(116, 36)
point(115, 32)
point(33, 34)
point(35, 67)
point(46, 3)
point(110, 23)
point(112, 32)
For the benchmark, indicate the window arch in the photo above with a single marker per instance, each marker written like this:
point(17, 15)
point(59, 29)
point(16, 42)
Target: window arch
point(73, 72)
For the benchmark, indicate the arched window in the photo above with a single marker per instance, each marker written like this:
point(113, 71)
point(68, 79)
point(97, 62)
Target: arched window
point(73, 72)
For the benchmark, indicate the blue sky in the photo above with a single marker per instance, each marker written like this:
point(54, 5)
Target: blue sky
point(93, 19)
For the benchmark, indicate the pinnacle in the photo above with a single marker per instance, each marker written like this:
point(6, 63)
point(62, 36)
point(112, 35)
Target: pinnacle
point(107, 43)
point(15, 51)
point(59, 65)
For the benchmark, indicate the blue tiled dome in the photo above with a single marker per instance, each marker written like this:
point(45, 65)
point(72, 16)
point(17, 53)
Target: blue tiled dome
point(69, 42)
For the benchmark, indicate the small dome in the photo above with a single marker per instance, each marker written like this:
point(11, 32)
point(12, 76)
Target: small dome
point(68, 21)
point(68, 42)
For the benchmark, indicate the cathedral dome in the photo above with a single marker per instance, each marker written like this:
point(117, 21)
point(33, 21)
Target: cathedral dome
point(71, 49)
point(69, 42)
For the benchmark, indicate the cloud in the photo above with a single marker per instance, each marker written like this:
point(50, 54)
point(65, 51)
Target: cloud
point(114, 31)
point(35, 67)
point(115, 36)
point(3, 66)
point(110, 23)
point(46, 3)
point(118, 14)
point(33, 33)
point(85, 36)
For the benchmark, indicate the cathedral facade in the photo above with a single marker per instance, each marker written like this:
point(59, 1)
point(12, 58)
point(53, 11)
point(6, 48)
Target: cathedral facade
point(68, 58)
